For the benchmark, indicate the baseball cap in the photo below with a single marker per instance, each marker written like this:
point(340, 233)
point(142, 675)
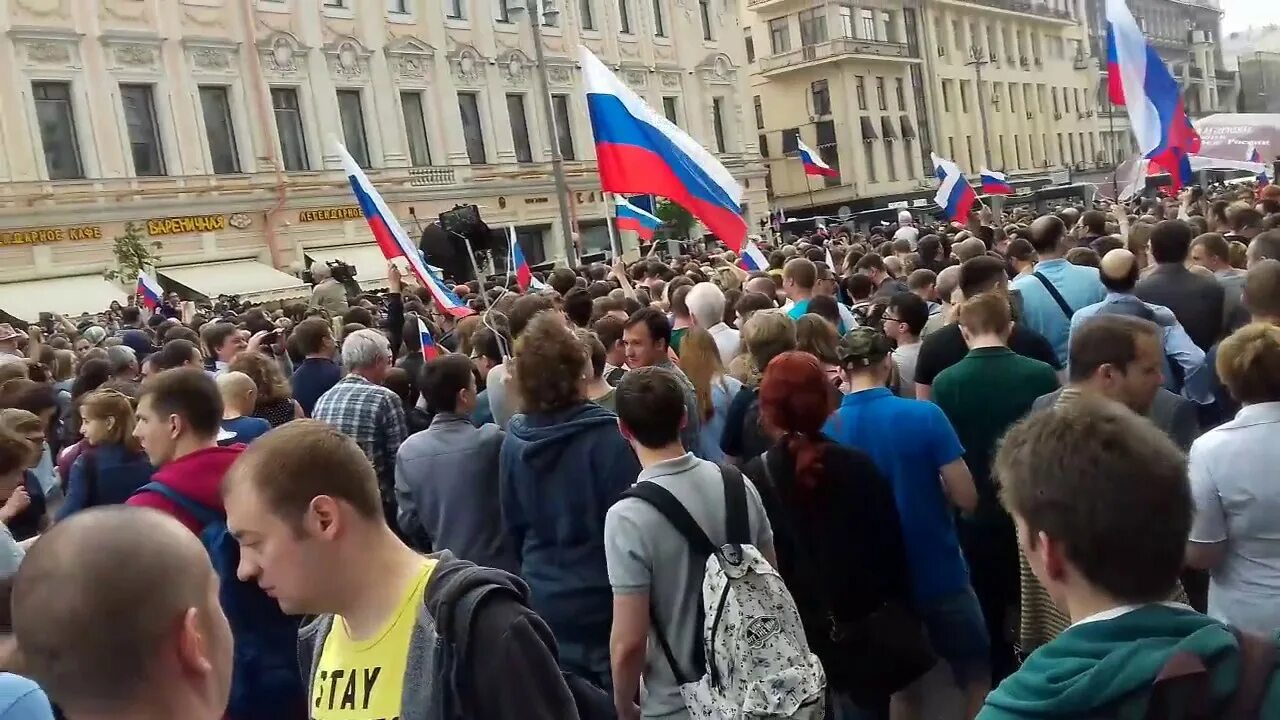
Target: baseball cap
point(94, 334)
point(863, 346)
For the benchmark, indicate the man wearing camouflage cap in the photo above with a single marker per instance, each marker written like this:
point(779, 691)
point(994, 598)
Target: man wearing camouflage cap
point(913, 444)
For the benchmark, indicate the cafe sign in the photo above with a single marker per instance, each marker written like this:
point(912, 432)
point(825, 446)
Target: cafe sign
point(42, 235)
point(186, 224)
point(331, 214)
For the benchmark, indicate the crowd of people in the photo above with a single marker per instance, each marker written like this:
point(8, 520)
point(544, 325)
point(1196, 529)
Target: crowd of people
point(1031, 449)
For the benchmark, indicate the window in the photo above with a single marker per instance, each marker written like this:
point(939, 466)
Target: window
point(828, 150)
point(968, 144)
point(659, 26)
point(704, 11)
point(587, 14)
point(779, 38)
point(504, 11)
point(790, 136)
point(759, 112)
point(1004, 158)
point(717, 122)
point(472, 130)
point(564, 131)
point(821, 97)
point(519, 128)
point(870, 154)
point(763, 141)
point(624, 16)
point(901, 91)
point(951, 148)
point(890, 164)
point(946, 96)
point(880, 98)
point(813, 27)
point(1017, 151)
point(964, 96)
point(415, 126)
point(144, 134)
point(957, 32)
point(57, 130)
point(867, 24)
point(886, 27)
point(860, 89)
point(352, 115)
point(1062, 155)
point(398, 6)
point(219, 129)
point(453, 9)
point(335, 3)
point(671, 109)
point(293, 142)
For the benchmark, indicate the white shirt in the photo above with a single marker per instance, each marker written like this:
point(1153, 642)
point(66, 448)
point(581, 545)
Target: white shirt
point(727, 341)
point(1233, 482)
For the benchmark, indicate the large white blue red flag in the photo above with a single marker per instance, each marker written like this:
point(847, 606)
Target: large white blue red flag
point(752, 259)
point(637, 220)
point(1138, 79)
point(149, 292)
point(995, 183)
point(640, 151)
point(955, 196)
point(392, 239)
point(813, 164)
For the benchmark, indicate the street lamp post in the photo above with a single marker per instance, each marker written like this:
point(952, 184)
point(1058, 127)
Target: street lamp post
point(978, 63)
point(549, 116)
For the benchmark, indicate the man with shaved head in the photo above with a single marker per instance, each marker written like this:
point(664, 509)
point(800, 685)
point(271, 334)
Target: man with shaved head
point(1056, 289)
point(117, 615)
point(1185, 369)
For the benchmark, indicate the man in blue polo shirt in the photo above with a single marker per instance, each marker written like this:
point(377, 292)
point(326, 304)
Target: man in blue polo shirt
point(913, 444)
point(1057, 289)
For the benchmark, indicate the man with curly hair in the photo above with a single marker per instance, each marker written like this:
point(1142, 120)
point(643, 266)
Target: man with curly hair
point(562, 464)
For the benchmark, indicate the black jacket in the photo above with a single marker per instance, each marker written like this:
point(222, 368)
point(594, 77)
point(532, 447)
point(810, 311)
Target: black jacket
point(1196, 301)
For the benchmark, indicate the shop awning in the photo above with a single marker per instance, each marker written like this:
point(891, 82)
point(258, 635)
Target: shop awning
point(868, 130)
point(367, 259)
point(249, 279)
point(68, 296)
point(886, 128)
point(908, 132)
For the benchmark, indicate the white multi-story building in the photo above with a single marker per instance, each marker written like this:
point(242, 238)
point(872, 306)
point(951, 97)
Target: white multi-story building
point(208, 123)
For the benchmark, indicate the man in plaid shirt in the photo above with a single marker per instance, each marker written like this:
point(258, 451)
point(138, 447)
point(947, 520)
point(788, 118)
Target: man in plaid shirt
point(369, 413)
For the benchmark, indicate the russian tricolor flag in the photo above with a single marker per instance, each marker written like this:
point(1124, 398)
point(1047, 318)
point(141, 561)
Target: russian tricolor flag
point(813, 164)
point(954, 196)
point(640, 151)
point(630, 217)
point(752, 259)
point(995, 183)
point(391, 238)
point(1256, 157)
point(430, 351)
point(149, 292)
point(1138, 79)
point(524, 274)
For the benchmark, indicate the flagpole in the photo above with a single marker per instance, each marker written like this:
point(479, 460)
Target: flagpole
point(615, 245)
point(809, 186)
point(484, 298)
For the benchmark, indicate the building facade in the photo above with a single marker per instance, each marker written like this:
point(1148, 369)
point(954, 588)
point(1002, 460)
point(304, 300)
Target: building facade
point(208, 126)
point(1255, 53)
point(875, 87)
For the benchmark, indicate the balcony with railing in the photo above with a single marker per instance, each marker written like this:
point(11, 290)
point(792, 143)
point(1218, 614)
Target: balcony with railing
point(1038, 8)
point(836, 49)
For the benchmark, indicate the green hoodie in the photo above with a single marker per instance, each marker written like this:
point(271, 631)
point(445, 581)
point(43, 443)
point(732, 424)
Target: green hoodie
point(1105, 669)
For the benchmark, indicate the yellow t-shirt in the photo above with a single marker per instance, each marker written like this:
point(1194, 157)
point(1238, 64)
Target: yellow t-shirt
point(365, 680)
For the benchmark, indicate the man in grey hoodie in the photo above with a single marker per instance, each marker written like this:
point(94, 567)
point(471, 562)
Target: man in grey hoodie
point(398, 634)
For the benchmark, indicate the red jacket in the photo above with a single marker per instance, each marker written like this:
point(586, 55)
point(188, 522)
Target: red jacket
point(197, 476)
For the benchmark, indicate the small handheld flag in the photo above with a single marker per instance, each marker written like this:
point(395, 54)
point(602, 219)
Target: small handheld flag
point(1262, 179)
point(630, 217)
point(954, 196)
point(392, 239)
point(995, 183)
point(1254, 155)
point(813, 164)
point(752, 259)
point(430, 351)
point(524, 275)
point(149, 292)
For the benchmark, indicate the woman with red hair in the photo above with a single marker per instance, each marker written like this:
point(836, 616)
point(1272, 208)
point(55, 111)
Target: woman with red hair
point(836, 530)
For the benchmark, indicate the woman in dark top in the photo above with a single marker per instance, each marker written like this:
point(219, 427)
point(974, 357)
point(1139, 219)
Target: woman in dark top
point(113, 466)
point(275, 398)
point(835, 525)
point(21, 430)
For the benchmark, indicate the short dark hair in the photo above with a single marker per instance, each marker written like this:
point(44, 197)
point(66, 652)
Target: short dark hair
point(1266, 246)
point(215, 334)
point(980, 274)
point(189, 393)
point(485, 342)
point(910, 309)
point(825, 307)
point(1019, 249)
point(173, 354)
point(653, 319)
point(309, 335)
point(1215, 245)
point(578, 306)
point(651, 406)
point(870, 261)
point(609, 330)
point(524, 310)
point(1095, 221)
point(1106, 340)
point(562, 280)
point(1170, 241)
point(130, 314)
point(443, 378)
point(680, 300)
point(359, 316)
point(1107, 485)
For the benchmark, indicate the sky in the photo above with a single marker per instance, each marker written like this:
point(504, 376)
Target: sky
point(1241, 14)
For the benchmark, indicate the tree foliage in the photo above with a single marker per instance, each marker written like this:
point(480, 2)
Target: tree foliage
point(677, 221)
point(133, 254)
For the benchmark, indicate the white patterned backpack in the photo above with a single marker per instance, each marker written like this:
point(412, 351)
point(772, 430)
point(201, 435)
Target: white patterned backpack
point(754, 659)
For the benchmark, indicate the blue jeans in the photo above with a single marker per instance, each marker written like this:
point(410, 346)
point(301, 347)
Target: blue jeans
point(958, 632)
point(589, 662)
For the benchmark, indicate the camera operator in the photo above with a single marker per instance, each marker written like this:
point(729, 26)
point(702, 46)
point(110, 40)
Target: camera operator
point(328, 294)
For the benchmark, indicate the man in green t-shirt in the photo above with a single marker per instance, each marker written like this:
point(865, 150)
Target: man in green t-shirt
point(982, 395)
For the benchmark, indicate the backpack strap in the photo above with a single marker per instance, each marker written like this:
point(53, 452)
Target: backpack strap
point(1257, 663)
point(1057, 296)
point(737, 518)
point(203, 514)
